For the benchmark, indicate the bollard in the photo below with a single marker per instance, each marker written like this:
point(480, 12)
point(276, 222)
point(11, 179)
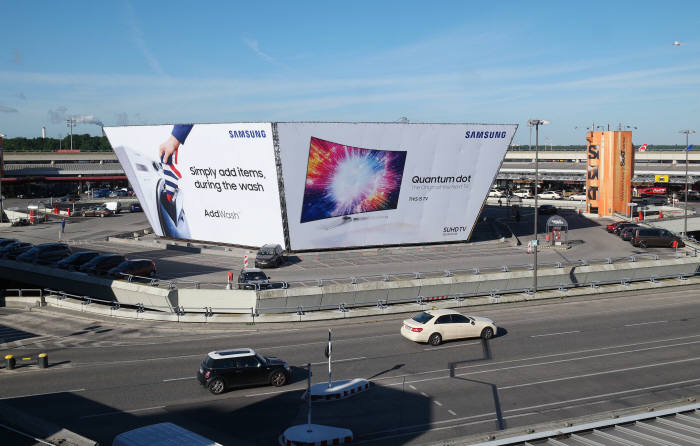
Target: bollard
point(10, 362)
point(43, 361)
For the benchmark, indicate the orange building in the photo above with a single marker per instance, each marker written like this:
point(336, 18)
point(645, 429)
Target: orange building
point(609, 173)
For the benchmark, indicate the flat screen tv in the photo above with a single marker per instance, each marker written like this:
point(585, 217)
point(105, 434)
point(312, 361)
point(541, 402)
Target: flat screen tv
point(342, 180)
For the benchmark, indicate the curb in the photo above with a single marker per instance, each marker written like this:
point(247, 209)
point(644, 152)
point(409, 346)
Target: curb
point(339, 390)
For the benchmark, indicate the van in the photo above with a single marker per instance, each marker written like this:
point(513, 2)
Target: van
point(114, 206)
point(648, 237)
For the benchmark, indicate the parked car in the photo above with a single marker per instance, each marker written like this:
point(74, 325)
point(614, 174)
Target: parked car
point(75, 260)
point(253, 278)
point(577, 197)
point(611, 227)
point(654, 201)
point(495, 193)
point(648, 237)
point(6, 241)
point(100, 193)
point(96, 211)
point(523, 193)
point(12, 250)
point(135, 207)
point(693, 195)
point(70, 197)
point(622, 226)
point(270, 255)
point(136, 267)
point(114, 206)
point(46, 253)
point(547, 209)
point(549, 195)
point(20, 222)
point(435, 326)
point(162, 434)
point(241, 367)
point(102, 263)
point(118, 193)
point(627, 232)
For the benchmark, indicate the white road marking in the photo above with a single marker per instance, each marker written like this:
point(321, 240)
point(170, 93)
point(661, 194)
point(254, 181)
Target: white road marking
point(555, 334)
point(424, 394)
point(178, 379)
point(451, 346)
point(586, 375)
point(646, 323)
point(452, 412)
point(41, 394)
point(339, 360)
point(438, 403)
point(118, 412)
point(412, 386)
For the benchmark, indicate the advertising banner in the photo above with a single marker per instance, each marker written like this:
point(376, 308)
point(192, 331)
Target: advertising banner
point(213, 182)
point(365, 184)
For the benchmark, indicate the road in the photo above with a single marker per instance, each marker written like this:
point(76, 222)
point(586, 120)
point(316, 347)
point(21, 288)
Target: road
point(551, 361)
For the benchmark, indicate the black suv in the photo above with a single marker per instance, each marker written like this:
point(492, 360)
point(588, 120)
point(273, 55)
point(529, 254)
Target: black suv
point(46, 253)
point(269, 255)
point(253, 279)
point(241, 367)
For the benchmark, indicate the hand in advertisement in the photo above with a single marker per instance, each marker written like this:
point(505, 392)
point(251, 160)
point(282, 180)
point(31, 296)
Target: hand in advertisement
point(168, 148)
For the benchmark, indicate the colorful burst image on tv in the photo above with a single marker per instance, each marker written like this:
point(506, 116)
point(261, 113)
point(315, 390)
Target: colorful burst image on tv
point(343, 180)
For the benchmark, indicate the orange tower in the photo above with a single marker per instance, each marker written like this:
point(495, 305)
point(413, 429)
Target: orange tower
point(609, 173)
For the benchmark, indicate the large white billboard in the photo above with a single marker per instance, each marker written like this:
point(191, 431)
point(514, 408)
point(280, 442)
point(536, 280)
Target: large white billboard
point(214, 182)
point(365, 184)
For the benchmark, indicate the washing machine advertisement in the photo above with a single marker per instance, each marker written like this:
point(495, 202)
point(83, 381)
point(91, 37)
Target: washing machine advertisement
point(209, 182)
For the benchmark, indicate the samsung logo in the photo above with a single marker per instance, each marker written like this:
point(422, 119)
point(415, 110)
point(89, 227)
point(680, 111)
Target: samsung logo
point(247, 134)
point(475, 135)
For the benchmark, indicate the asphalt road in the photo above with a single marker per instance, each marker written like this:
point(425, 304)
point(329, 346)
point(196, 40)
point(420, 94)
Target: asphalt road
point(551, 361)
point(590, 241)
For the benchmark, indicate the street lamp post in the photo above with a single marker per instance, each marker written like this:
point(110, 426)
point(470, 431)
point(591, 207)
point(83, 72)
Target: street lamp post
point(685, 217)
point(536, 123)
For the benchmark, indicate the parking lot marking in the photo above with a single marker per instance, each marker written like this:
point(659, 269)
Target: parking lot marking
point(412, 386)
point(359, 358)
point(646, 323)
point(424, 394)
point(452, 412)
point(555, 334)
point(437, 403)
point(118, 412)
point(41, 394)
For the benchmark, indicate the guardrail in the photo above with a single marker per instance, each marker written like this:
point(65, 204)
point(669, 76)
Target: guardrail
point(422, 301)
point(388, 277)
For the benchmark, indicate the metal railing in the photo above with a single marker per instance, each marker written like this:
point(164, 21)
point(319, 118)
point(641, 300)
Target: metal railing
point(388, 277)
point(495, 295)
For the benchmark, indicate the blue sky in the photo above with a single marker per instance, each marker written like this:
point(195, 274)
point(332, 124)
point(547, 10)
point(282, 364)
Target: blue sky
point(572, 63)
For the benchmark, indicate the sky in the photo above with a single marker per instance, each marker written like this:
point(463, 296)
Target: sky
point(575, 64)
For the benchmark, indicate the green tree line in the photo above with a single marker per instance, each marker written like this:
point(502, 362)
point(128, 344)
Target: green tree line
point(84, 143)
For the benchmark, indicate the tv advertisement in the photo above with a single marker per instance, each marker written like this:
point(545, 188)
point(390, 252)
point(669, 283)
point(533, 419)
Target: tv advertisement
point(372, 184)
point(213, 182)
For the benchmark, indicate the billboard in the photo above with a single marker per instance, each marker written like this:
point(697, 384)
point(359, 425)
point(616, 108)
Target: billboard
point(368, 184)
point(213, 182)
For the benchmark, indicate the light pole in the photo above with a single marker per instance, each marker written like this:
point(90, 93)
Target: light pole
point(70, 123)
point(685, 217)
point(2, 215)
point(536, 123)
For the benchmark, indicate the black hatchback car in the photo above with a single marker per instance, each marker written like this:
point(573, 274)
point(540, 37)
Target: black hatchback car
point(46, 253)
point(269, 256)
point(75, 260)
point(241, 367)
point(12, 250)
point(102, 263)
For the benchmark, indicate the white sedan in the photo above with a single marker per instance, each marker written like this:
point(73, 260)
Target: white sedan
point(435, 326)
point(549, 195)
point(576, 197)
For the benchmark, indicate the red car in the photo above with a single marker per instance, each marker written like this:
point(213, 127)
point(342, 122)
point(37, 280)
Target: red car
point(611, 227)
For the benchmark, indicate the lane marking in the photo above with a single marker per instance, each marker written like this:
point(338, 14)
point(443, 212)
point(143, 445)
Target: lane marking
point(437, 403)
point(555, 334)
point(646, 323)
point(424, 394)
point(452, 412)
point(41, 394)
point(338, 360)
point(179, 379)
point(117, 412)
point(412, 386)
point(586, 375)
point(450, 346)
